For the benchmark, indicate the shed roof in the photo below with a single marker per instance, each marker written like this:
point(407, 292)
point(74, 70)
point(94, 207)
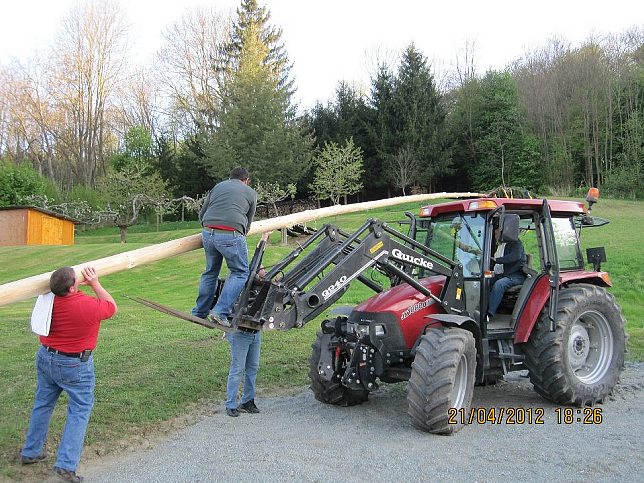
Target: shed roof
point(42, 210)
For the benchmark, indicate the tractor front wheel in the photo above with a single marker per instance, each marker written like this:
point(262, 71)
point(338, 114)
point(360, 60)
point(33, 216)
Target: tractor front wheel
point(580, 362)
point(442, 380)
point(331, 392)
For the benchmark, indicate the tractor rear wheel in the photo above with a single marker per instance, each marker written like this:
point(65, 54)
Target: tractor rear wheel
point(331, 392)
point(442, 378)
point(580, 362)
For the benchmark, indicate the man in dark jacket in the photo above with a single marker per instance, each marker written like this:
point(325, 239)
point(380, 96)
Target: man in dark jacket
point(509, 260)
point(226, 216)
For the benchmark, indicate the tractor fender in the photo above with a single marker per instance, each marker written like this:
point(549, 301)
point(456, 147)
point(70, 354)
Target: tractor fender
point(462, 321)
point(529, 312)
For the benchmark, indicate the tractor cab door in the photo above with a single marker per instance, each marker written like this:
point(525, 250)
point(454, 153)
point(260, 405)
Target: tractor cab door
point(459, 237)
point(551, 260)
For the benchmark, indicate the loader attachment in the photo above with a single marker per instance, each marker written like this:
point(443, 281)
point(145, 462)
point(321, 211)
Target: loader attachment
point(297, 290)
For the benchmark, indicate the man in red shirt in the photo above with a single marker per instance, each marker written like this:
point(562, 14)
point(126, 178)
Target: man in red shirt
point(64, 362)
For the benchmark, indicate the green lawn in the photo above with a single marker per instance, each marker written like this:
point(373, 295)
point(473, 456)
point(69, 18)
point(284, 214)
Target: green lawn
point(151, 367)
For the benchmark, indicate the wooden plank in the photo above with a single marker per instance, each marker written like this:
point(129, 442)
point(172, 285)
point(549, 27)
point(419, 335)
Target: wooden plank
point(34, 227)
point(38, 284)
point(68, 232)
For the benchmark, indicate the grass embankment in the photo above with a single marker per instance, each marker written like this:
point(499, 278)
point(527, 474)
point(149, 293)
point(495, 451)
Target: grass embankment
point(151, 367)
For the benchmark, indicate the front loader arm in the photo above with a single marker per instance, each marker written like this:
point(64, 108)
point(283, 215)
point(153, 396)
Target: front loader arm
point(287, 299)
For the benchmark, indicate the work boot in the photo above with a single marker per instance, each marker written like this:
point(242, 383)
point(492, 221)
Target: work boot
point(232, 412)
point(67, 475)
point(249, 407)
point(218, 319)
point(30, 460)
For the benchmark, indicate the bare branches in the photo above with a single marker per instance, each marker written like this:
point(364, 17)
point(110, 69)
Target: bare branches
point(187, 67)
point(404, 168)
point(88, 61)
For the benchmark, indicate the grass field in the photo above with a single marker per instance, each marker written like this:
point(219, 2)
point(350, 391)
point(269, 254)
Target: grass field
point(152, 368)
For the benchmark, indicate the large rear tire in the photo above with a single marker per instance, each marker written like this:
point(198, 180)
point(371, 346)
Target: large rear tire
point(442, 377)
point(580, 362)
point(331, 392)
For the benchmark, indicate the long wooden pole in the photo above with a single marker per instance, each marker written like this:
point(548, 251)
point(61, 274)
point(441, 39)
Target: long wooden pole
point(38, 284)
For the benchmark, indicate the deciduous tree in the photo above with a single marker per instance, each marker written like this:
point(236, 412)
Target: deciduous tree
point(128, 191)
point(88, 60)
point(188, 69)
point(338, 171)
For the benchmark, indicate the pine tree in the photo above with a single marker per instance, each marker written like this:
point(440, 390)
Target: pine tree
point(420, 116)
point(258, 128)
point(383, 130)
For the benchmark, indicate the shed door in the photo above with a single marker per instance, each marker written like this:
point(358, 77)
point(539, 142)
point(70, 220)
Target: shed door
point(52, 231)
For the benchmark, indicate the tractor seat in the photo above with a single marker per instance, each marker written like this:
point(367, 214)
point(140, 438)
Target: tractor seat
point(512, 292)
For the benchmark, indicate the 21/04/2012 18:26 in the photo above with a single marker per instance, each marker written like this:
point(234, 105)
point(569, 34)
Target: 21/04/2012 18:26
point(521, 415)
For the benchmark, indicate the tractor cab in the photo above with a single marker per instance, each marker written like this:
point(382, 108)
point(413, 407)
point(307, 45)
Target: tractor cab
point(463, 231)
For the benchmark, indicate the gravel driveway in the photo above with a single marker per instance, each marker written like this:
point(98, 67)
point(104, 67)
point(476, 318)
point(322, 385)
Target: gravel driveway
point(296, 438)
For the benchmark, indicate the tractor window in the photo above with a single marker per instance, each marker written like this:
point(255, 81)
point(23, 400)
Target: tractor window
point(566, 240)
point(528, 238)
point(459, 238)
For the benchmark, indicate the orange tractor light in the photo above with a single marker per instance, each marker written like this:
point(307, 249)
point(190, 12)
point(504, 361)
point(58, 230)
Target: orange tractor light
point(593, 195)
point(485, 204)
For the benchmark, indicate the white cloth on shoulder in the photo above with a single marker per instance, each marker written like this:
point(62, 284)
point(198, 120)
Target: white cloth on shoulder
point(41, 315)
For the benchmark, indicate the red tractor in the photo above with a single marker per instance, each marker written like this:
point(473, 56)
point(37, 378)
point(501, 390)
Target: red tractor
point(429, 325)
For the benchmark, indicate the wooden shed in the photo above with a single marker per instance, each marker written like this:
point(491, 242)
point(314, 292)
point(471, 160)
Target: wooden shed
point(29, 225)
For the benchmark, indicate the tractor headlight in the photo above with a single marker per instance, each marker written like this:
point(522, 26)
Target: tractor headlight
point(359, 329)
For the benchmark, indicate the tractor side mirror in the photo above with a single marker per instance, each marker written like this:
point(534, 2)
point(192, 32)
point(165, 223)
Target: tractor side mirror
point(510, 224)
point(596, 256)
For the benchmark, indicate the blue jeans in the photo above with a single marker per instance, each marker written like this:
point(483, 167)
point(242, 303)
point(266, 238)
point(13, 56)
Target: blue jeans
point(57, 373)
point(244, 359)
point(217, 247)
point(500, 285)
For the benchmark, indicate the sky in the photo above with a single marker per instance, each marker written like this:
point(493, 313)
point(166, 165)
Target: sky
point(332, 40)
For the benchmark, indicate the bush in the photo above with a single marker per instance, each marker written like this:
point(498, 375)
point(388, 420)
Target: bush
point(17, 182)
point(84, 193)
point(624, 184)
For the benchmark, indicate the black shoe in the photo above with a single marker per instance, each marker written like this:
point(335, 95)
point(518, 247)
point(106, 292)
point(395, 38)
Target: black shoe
point(234, 412)
point(28, 460)
point(67, 475)
point(249, 407)
point(217, 319)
